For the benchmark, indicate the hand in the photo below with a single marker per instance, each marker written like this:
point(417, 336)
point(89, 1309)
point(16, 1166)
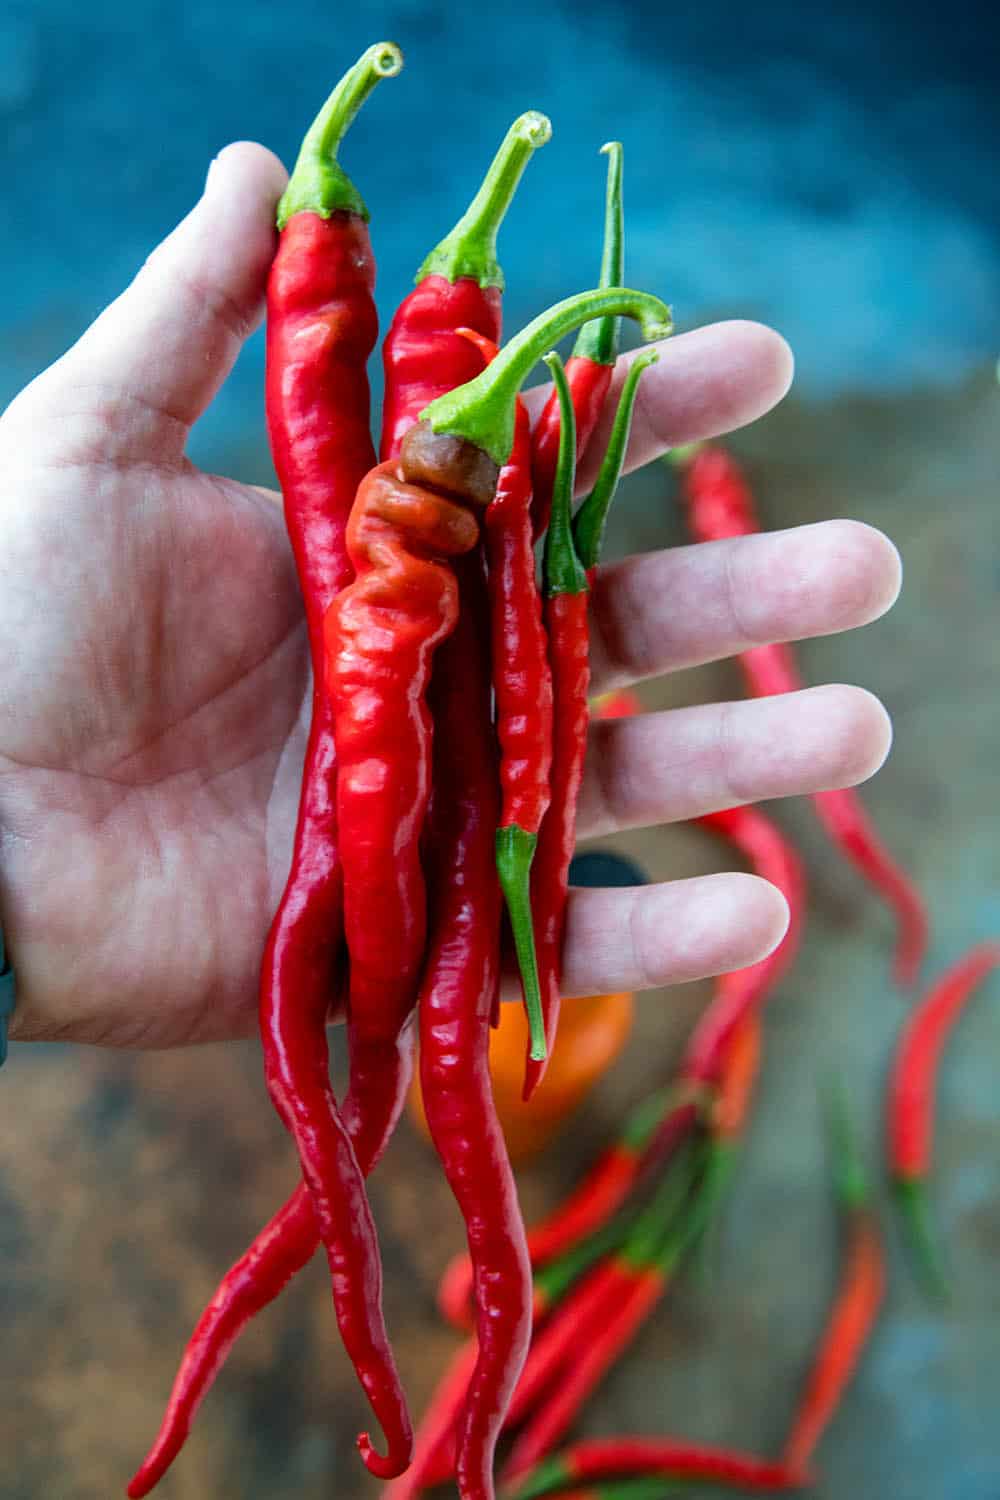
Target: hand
point(155, 673)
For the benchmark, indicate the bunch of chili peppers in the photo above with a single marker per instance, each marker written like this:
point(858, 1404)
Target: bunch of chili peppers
point(441, 775)
point(446, 744)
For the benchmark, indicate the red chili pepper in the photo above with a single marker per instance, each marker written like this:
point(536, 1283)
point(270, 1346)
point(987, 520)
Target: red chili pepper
point(623, 1292)
point(592, 1203)
point(771, 856)
point(321, 328)
point(454, 454)
point(458, 286)
point(565, 611)
point(590, 367)
point(434, 1446)
point(522, 689)
point(910, 1121)
point(277, 1254)
point(456, 1000)
point(460, 281)
point(855, 1307)
point(381, 632)
point(654, 1458)
point(457, 302)
point(720, 505)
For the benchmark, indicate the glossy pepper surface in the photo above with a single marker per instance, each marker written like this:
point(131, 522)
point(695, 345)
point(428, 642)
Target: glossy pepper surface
point(321, 327)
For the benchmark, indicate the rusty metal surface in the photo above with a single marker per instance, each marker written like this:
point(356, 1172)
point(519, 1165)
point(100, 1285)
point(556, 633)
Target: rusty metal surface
point(128, 1184)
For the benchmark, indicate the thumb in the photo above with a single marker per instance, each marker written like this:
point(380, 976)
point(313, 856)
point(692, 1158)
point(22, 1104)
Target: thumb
point(152, 362)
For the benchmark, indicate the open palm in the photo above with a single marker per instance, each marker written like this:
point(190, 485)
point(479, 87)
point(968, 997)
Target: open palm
point(156, 670)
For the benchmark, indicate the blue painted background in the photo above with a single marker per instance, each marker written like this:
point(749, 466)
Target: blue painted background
point(829, 168)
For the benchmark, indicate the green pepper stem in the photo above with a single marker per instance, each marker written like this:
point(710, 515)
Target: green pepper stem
point(561, 567)
point(849, 1175)
point(482, 411)
point(470, 250)
point(678, 1213)
point(515, 850)
point(319, 184)
point(551, 1474)
point(910, 1194)
point(592, 517)
point(598, 341)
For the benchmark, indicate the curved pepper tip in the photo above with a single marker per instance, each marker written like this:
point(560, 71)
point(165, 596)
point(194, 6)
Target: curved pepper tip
point(389, 1466)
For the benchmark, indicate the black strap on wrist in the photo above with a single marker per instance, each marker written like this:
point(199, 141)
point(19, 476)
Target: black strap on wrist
point(8, 997)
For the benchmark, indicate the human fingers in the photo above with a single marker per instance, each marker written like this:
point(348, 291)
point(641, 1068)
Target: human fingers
point(146, 369)
point(661, 611)
point(641, 937)
point(663, 767)
point(709, 381)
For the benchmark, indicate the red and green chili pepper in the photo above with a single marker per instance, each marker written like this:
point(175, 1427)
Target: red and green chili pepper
point(720, 505)
point(855, 1307)
point(567, 593)
point(591, 366)
point(458, 286)
point(658, 1459)
point(321, 327)
point(621, 1293)
point(910, 1122)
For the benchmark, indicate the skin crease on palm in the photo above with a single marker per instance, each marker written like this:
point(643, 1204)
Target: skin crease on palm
point(156, 676)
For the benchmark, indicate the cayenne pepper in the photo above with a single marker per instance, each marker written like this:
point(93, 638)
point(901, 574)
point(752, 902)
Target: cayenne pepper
point(380, 635)
point(591, 366)
point(459, 283)
point(622, 1293)
point(720, 505)
point(855, 1307)
point(322, 325)
point(567, 592)
point(454, 1038)
point(603, 1190)
point(653, 1458)
point(910, 1111)
point(522, 688)
point(458, 286)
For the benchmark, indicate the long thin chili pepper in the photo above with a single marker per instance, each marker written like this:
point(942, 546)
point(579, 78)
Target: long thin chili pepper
point(744, 990)
point(380, 635)
point(590, 368)
point(567, 593)
point(771, 856)
point(627, 1288)
point(434, 1444)
point(855, 1307)
point(459, 445)
point(581, 1293)
point(654, 1458)
point(460, 283)
point(321, 328)
point(602, 1191)
point(910, 1110)
point(458, 286)
point(522, 689)
point(456, 1002)
point(720, 505)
